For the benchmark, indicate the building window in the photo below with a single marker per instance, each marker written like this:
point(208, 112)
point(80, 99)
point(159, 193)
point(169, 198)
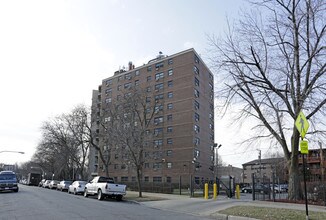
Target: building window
point(137, 72)
point(211, 126)
point(108, 91)
point(108, 100)
point(158, 108)
point(210, 76)
point(196, 128)
point(146, 165)
point(148, 99)
point(211, 86)
point(148, 89)
point(146, 179)
point(196, 117)
point(170, 106)
point(108, 82)
point(159, 65)
point(159, 86)
point(169, 153)
point(157, 165)
point(197, 141)
point(124, 179)
point(196, 93)
point(128, 76)
point(158, 142)
point(211, 106)
point(196, 81)
point(169, 129)
point(120, 78)
point(211, 137)
point(149, 78)
point(116, 166)
point(157, 179)
point(149, 68)
point(211, 96)
point(196, 153)
point(158, 131)
point(170, 83)
point(170, 61)
point(169, 117)
point(196, 105)
point(127, 85)
point(169, 141)
point(107, 119)
point(196, 70)
point(160, 96)
point(196, 59)
point(133, 179)
point(118, 97)
point(170, 95)
point(170, 72)
point(119, 87)
point(159, 76)
point(136, 82)
point(169, 165)
point(158, 120)
point(211, 116)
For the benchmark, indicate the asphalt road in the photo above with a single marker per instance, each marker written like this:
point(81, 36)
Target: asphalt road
point(34, 203)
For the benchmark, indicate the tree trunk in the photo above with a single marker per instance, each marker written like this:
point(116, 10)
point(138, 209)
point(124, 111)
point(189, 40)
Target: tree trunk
point(140, 194)
point(295, 191)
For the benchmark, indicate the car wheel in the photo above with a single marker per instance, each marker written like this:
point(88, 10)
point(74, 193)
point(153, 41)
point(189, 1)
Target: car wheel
point(85, 193)
point(119, 198)
point(75, 192)
point(99, 195)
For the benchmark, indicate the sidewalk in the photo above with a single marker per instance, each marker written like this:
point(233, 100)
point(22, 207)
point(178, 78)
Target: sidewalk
point(201, 207)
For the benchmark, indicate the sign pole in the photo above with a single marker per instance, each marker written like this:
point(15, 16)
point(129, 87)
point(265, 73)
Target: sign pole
point(302, 125)
point(305, 186)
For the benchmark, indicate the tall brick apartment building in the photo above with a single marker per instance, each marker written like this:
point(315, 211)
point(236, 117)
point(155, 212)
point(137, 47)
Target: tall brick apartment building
point(183, 86)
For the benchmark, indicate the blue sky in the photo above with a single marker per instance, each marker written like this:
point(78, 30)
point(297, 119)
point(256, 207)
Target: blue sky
point(54, 53)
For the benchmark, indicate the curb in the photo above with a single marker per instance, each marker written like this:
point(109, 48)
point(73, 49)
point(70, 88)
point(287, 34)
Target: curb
point(219, 216)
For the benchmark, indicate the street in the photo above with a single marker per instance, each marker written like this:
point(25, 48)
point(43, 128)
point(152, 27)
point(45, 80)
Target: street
point(33, 203)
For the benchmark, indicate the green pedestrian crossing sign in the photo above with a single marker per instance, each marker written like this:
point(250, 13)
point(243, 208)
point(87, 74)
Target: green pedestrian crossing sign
point(302, 124)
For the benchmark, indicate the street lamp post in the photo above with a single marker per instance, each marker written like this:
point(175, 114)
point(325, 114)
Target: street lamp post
point(12, 151)
point(216, 146)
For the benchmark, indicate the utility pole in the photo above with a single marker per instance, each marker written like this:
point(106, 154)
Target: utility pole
point(322, 170)
point(259, 158)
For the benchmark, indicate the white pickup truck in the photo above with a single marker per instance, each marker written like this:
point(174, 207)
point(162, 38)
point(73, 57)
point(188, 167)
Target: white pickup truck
point(104, 187)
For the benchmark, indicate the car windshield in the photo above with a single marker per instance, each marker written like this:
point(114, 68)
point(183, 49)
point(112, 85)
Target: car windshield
point(7, 177)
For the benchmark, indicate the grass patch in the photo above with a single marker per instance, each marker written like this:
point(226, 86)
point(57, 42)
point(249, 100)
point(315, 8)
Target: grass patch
point(133, 196)
point(272, 213)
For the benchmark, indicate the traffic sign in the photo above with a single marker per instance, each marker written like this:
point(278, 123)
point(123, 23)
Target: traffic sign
point(304, 147)
point(302, 124)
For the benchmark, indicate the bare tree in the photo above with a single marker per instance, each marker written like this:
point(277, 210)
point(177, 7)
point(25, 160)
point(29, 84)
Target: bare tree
point(128, 129)
point(64, 145)
point(273, 63)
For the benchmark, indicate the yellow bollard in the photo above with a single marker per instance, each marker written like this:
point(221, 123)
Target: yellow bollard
point(214, 191)
point(206, 191)
point(237, 190)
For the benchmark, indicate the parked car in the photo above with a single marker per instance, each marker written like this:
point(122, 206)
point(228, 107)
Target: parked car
point(259, 188)
point(8, 181)
point(46, 184)
point(104, 187)
point(53, 184)
point(41, 182)
point(246, 189)
point(77, 187)
point(64, 185)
